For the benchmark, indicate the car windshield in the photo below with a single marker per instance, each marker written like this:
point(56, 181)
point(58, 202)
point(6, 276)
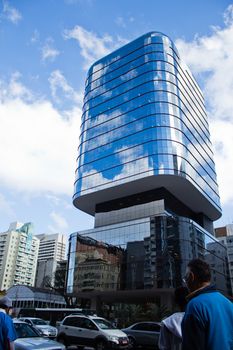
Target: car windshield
point(23, 330)
point(38, 322)
point(103, 324)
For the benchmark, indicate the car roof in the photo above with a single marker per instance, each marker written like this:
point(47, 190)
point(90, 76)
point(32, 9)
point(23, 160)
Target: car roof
point(19, 321)
point(147, 322)
point(30, 318)
point(91, 317)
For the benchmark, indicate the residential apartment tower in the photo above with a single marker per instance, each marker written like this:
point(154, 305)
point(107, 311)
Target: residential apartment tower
point(18, 255)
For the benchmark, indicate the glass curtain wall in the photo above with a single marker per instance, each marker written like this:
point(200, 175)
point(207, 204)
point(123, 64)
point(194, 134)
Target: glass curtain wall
point(145, 169)
point(144, 115)
point(142, 254)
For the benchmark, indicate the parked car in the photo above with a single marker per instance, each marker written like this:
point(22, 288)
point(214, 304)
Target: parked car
point(143, 334)
point(45, 329)
point(94, 331)
point(29, 338)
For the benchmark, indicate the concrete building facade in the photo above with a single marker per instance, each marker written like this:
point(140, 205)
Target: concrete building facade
point(225, 237)
point(52, 249)
point(18, 255)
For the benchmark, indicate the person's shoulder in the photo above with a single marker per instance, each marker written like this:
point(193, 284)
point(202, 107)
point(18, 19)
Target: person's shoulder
point(206, 294)
point(206, 300)
point(214, 297)
point(9, 319)
point(224, 300)
point(197, 302)
point(6, 318)
point(223, 297)
point(176, 315)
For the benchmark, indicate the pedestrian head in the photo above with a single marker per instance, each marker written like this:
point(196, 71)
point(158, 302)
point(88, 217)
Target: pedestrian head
point(5, 303)
point(198, 274)
point(180, 295)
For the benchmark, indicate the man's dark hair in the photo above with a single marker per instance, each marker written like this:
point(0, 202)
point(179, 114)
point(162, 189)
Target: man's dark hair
point(180, 295)
point(200, 269)
point(3, 307)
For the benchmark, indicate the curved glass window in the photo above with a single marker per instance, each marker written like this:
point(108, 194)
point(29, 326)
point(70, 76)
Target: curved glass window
point(152, 62)
point(147, 141)
point(161, 107)
point(144, 115)
point(135, 161)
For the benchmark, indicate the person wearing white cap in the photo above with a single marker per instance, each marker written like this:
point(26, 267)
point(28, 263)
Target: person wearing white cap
point(7, 330)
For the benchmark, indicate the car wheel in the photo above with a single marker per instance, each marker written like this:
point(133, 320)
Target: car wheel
point(62, 339)
point(132, 343)
point(101, 345)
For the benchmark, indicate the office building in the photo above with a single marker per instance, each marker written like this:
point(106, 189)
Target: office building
point(52, 249)
point(224, 231)
point(145, 170)
point(225, 237)
point(217, 257)
point(18, 255)
point(60, 276)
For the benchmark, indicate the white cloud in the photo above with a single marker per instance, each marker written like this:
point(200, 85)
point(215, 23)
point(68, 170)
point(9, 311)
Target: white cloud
point(58, 83)
point(38, 145)
point(81, 2)
point(14, 89)
point(92, 46)
point(49, 53)
point(54, 200)
point(211, 59)
point(59, 223)
point(35, 36)
point(122, 22)
point(5, 206)
point(58, 201)
point(228, 15)
point(222, 138)
point(11, 13)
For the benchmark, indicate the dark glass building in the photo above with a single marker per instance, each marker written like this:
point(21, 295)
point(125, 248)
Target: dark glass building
point(145, 170)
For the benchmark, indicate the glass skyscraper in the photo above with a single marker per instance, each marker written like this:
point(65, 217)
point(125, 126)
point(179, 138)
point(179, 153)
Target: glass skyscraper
point(145, 170)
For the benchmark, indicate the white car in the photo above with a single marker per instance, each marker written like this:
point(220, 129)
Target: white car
point(45, 329)
point(28, 338)
point(93, 331)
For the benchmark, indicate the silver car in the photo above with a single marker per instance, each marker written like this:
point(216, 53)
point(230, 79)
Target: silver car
point(143, 334)
point(29, 338)
point(45, 329)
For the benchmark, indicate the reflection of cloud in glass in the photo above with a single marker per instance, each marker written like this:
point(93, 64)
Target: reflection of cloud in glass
point(130, 75)
point(101, 90)
point(134, 169)
point(103, 119)
point(146, 118)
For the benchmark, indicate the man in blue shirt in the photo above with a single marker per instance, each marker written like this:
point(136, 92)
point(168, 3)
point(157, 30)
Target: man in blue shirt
point(208, 320)
point(7, 330)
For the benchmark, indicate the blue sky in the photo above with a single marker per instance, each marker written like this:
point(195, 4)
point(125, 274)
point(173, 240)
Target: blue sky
point(46, 48)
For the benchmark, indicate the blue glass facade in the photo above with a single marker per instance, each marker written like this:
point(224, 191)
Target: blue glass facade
point(145, 170)
point(144, 119)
